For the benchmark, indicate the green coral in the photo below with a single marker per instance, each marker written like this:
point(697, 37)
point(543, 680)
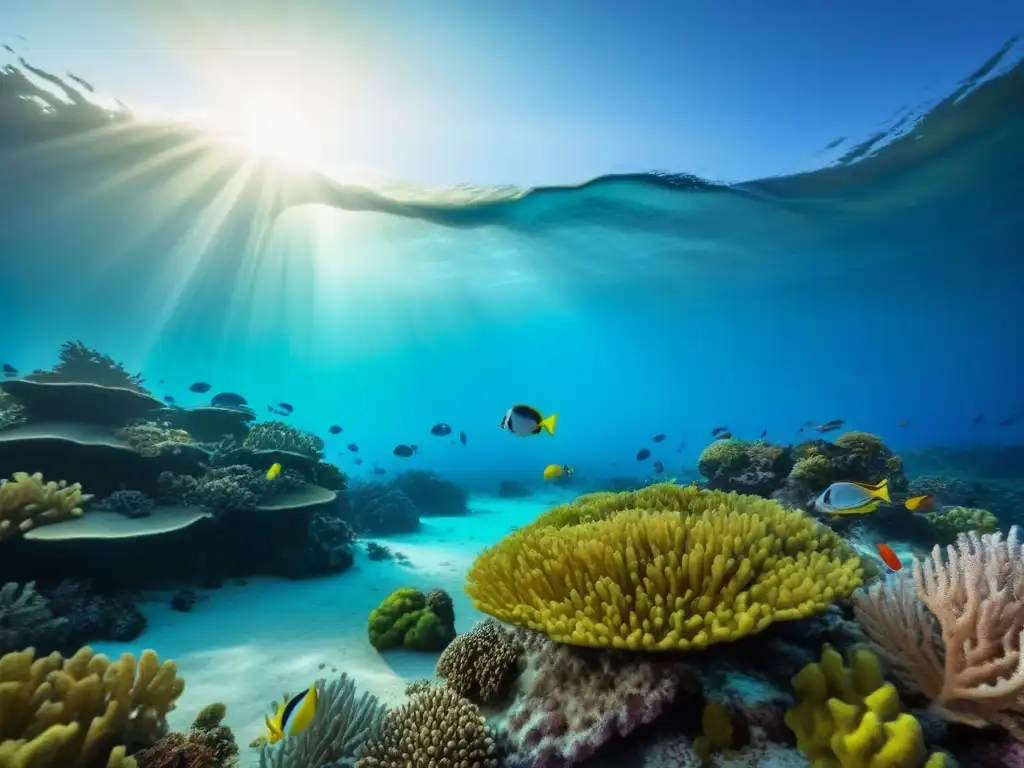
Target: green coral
point(952, 521)
point(407, 619)
point(278, 436)
point(863, 444)
point(728, 455)
point(813, 469)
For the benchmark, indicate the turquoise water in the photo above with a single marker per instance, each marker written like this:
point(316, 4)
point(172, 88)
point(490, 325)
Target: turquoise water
point(881, 289)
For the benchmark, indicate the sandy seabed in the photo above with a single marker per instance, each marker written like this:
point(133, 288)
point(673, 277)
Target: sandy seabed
point(247, 644)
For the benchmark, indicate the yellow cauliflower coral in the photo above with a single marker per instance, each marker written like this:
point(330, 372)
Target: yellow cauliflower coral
point(703, 567)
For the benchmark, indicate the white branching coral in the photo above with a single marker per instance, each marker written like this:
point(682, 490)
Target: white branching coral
point(955, 632)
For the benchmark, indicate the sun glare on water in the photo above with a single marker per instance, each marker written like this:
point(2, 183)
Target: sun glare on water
point(269, 127)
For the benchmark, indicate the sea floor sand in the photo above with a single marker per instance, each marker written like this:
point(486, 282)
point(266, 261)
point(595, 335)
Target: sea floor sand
point(245, 645)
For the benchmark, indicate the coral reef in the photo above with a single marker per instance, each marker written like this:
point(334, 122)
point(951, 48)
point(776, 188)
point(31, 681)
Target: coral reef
point(406, 618)
point(952, 631)
point(343, 724)
point(436, 727)
point(208, 744)
point(237, 487)
point(27, 502)
point(326, 550)
point(378, 552)
point(851, 717)
point(513, 489)
point(952, 521)
point(79, 363)
point(571, 702)
point(481, 664)
point(677, 568)
point(758, 468)
point(151, 438)
point(431, 494)
point(278, 436)
point(63, 713)
point(376, 508)
point(128, 503)
point(11, 413)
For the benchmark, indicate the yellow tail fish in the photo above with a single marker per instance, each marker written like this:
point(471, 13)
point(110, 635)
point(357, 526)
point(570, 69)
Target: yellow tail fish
point(293, 716)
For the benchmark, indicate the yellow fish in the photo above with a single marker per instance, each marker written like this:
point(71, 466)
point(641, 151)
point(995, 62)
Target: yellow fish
point(852, 498)
point(274, 471)
point(551, 471)
point(293, 716)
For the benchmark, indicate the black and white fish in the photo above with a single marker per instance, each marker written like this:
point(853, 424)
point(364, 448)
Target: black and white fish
point(524, 420)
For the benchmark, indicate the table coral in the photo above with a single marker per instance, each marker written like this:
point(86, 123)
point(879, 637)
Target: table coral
point(714, 568)
point(27, 502)
point(69, 713)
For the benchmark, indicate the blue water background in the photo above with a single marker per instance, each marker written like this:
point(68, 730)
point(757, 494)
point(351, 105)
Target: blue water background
point(883, 289)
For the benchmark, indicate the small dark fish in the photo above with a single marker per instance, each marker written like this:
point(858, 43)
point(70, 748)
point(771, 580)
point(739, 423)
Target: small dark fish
point(10, 370)
point(658, 467)
point(278, 411)
point(718, 430)
point(200, 387)
point(441, 430)
point(643, 454)
point(830, 426)
point(658, 438)
point(335, 429)
point(168, 399)
point(357, 461)
point(228, 400)
point(160, 382)
point(286, 407)
point(725, 435)
point(764, 434)
point(404, 451)
point(904, 423)
point(1008, 421)
point(379, 471)
point(979, 419)
point(353, 447)
point(800, 430)
point(462, 437)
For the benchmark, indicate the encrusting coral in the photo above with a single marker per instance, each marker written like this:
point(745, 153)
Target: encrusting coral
point(482, 663)
point(437, 727)
point(70, 713)
point(701, 567)
point(849, 717)
point(953, 630)
point(27, 502)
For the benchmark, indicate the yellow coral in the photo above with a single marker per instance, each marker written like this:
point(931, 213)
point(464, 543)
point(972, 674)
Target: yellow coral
point(27, 502)
point(812, 469)
point(849, 717)
point(69, 713)
point(703, 567)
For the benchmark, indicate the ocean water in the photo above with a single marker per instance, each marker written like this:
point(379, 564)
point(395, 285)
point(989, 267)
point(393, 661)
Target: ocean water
point(883, 290)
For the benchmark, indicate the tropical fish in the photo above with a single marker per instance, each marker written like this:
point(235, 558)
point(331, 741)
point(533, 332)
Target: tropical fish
point(10, 370)
point(718, 430)
point(852, 498)
point(551, 471)
point(1012, 419)
point(523, 421)
point(441, 430)
point(658, 438)
point(923, 503)
point(274, 471)
point(353, 447)
point(200, 387)
point(287, 407)
point(462, 437)
point(168, 399)
point(293, 716)
point(405, 451)
point(228, 400)
point(725, 435)
point(335, 429)
point(658, 467)
point(831, 426)
point(889, 557)
point(643, 454)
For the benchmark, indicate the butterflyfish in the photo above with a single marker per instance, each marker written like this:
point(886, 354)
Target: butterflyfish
point(852, 498)
point(889, 557)
point(274, 471)
point(923, 503)
point(293, 716)
point(523, 421)
point(551, 471)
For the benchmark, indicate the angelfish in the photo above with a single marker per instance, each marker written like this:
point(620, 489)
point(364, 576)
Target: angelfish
point(293, 716)
point(852, 498)
point(523, 421)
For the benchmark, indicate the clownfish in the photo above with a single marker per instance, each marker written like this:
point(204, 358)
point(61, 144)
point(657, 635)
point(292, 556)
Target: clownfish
point(523, 421)
point(293, 716)
point(852, 498)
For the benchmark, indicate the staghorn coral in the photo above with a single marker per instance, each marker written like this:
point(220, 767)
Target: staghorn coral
point(436, 727)
point(482, 663)
point(278, 436)
point(850, 717)
point(69, 713)
point(11, 413)
point(431, 494)
point(27, 502)
point(570, 702)
point(952, 631)
point(716, 568)
point(128, 503)
point(79, 363)
point(952, 521)
point(405, 618)
point(151, 438)
point(342, 725)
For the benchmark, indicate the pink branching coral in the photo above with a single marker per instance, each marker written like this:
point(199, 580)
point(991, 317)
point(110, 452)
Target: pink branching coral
point(570, 702)
point(955, 633)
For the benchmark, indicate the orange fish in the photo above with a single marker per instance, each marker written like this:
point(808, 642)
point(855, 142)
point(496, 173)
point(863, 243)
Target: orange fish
point(923, 503)
point(889, 557)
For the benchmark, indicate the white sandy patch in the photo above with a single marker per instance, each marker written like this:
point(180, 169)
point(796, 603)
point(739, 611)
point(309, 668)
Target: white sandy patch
point(246, 645)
